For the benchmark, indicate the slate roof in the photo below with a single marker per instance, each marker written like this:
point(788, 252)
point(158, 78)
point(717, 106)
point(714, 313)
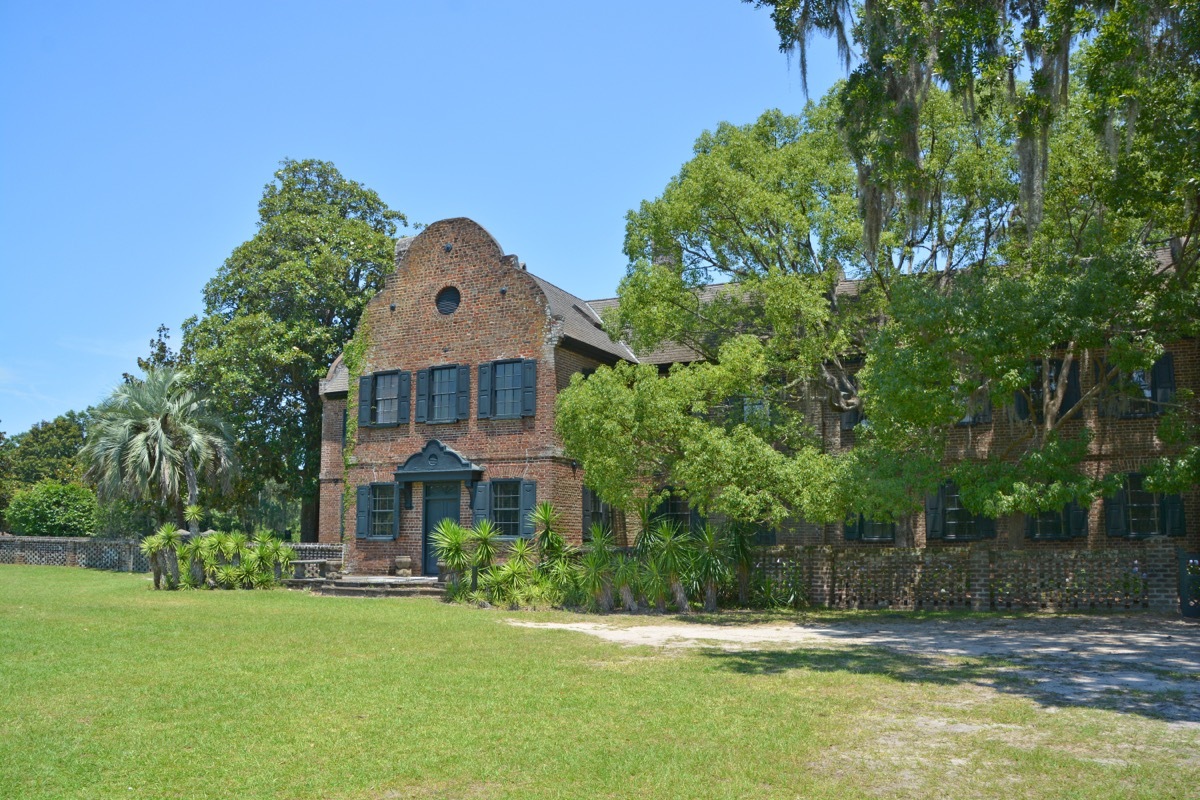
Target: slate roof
point(580, 321)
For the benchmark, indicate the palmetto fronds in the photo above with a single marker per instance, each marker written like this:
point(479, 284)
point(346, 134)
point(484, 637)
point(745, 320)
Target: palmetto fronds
point(155, 439)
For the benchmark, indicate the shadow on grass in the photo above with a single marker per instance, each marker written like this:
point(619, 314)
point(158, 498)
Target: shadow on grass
point(1145, 692)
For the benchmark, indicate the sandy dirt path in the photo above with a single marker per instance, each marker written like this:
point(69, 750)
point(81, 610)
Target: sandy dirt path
point(1144, 663)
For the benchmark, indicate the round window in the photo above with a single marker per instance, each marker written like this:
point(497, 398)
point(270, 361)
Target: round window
point(447, 300)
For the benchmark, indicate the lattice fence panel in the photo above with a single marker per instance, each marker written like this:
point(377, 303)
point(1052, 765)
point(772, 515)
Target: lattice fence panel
point(1069, 579)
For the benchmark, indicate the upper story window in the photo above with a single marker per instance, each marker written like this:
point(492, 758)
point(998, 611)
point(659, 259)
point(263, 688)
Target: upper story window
point(383, 398)
point(507, 389)
point(946, 518)
point(1135, 512)
point(675, 509)
point(443, 393)
point(1029, 402)
point(1141, 393)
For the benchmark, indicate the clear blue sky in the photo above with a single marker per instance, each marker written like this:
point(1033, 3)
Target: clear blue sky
point(135, 140)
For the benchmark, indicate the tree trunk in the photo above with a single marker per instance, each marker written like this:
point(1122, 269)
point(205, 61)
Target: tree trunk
point(743, 581)
point(710, 596)
point(604, 598)
point(156, 569)
point(171, 557)
point(196, 568)
point(681, 601)
point(628, 600)
point(193, 491)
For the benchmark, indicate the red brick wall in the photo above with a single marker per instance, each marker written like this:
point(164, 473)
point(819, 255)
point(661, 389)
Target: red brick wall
point(502, 314)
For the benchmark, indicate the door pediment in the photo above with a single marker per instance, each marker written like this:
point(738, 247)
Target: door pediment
point(437, 462)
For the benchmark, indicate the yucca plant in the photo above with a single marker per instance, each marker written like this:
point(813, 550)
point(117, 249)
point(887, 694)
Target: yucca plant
point(171, 538)
point(711, 563)
point(653, 582)
point(546, 539)
point(452, 543)
point(227, 576)
point(596, 570)
point(485, 541)
point(210, 556)
point(237, 543)
point(673, 552)
point(193, 515)
point(151, 548)
point(277, 557)
point(190, 554)
point(563, 578)
point(521, 555)
point(625, 580)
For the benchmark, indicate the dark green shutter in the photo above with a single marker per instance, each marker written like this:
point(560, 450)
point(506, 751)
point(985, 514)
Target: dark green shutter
point(528, 501)
point(397, 494)
point(365, 385)
point(1116, 520)
point(696, 520)
point(1072, 395)
point(481, 502)
point(463, 388)
point(983, 414)
point(405, 396)
point(422, 395)
point(1076, 522)
point(1162, 380)
point(362, 511)
point(528, 387)
point(484, 404)
point(853, 528)
point(850, 419)
point(587, 503)
point(1171, 511)
point(1020, 405)
point(935, 525)
point(1030, 525)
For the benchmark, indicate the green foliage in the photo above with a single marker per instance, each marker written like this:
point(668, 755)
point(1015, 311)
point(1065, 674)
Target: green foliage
point(48, 450)
point(451, 541)
point(281, 308)
point(51, 508)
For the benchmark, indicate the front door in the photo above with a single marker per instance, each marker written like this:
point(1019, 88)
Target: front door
point(441, 502)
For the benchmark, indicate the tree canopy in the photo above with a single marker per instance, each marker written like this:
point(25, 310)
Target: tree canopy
point(933, 238)
point(280, 309)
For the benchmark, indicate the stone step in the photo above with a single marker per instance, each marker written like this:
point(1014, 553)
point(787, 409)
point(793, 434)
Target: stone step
point(378, 586)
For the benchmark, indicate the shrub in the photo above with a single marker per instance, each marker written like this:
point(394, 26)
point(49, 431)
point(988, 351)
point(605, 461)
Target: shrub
point(50, 508)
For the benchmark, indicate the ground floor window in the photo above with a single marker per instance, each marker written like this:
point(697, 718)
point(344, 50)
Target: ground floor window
point(506, 507)
point(377, 512)
point(1136, 512)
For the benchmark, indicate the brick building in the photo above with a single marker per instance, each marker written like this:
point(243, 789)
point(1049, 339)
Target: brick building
point(453, 416)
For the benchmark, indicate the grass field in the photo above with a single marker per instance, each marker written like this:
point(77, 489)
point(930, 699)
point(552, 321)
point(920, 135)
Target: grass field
point(110, 690)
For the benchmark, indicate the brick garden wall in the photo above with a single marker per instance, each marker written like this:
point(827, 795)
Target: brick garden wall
point(980, 577)
point(118, 555)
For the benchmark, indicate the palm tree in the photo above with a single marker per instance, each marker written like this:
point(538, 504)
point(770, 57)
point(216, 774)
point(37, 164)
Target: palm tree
point(673, 552)
point(154, 438)
point(711, 559)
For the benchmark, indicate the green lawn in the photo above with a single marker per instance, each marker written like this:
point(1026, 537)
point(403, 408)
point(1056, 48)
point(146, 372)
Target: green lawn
point(110, 690)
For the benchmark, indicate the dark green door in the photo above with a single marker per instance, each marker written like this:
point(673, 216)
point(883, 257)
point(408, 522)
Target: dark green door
point(441, 502)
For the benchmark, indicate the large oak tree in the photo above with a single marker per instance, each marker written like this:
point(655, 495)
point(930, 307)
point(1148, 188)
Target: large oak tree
point(280, 309)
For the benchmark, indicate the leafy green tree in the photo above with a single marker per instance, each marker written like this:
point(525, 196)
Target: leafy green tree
point(157, 439)
point(280, 309)
point(53, 508)
point(49, 450)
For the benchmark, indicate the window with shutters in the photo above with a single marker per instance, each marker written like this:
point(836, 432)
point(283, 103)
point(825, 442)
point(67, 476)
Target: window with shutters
point(383, 398)
point(506, 391)
point(595, 512)
point(959, 522)
point(443, 391)
point(868, 530)
point(1069, 522)
point(947, 519)
point(675, 509)
point(383, 509)
point(378, 511)
point(1030, 401)
point(387, 398)
point(1142, 392)
point(506, 507)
